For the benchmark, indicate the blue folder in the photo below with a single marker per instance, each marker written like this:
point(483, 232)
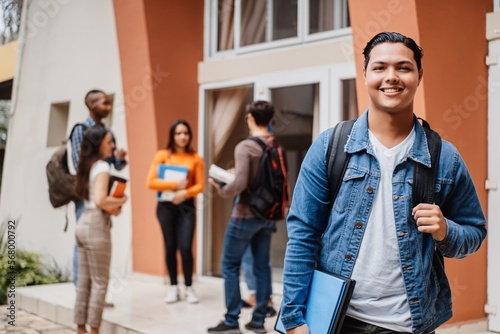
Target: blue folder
point(170, 173)
point(327, 303)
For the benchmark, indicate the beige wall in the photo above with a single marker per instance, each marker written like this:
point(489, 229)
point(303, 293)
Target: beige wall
point(67, 49)
point(8, 54)
point(285, 59)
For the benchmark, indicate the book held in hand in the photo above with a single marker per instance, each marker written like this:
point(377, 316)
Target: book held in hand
point(220, 175)
point(116, 187)
point(327, 302)
point(171, 173)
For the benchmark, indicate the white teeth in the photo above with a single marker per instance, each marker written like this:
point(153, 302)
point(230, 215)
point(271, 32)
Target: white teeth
point(390, 90)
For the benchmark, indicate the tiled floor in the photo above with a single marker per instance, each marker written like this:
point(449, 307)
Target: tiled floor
point(139, 308)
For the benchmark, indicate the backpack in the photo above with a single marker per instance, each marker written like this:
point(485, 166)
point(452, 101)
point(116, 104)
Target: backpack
point(424, 178)
point(61, 181)
point(269, 190)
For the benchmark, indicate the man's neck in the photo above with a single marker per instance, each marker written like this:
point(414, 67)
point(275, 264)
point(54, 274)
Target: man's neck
point(97, 119)
point(390, 129)
point(260, 131)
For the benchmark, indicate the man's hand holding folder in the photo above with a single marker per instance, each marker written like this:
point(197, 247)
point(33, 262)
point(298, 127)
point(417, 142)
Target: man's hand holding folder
point(327, 301)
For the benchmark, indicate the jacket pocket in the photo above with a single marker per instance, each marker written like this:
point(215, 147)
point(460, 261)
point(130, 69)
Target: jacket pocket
point(349, 193)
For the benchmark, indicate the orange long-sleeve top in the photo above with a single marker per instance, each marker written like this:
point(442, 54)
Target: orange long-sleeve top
point(194, 164)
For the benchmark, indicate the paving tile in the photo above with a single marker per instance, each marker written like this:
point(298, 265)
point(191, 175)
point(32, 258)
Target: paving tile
point(139, 309)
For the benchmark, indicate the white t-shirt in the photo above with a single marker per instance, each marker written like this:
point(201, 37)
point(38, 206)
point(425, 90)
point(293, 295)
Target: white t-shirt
point(100, 166)
point(380, 294)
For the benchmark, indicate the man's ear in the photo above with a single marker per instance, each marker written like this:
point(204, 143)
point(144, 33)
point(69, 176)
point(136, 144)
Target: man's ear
point(420, 75)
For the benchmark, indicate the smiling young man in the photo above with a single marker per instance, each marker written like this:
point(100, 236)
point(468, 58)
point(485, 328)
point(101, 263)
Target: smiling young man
point(372, 233)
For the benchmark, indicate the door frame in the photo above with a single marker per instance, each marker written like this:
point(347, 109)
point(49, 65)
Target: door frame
point(330, 112)
point(493, 271)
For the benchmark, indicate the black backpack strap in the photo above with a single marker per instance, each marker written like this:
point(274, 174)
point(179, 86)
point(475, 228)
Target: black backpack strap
point(74, 127)
point(424, 178)
point(336, 158)
point(258, 141)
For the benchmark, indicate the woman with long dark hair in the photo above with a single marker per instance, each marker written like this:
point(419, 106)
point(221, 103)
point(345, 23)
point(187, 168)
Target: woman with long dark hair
point(177, 173)
point(94, 226)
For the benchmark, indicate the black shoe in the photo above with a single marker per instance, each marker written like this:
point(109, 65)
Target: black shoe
point(225, 329)
point(245, 304)
point(270, 312)
point(255, 329)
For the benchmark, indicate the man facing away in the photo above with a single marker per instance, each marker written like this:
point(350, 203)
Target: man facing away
point(245, 229)
point(99, 105)
point(372, 233)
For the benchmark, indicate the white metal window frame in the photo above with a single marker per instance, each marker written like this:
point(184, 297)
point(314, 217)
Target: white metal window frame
point(211, 31)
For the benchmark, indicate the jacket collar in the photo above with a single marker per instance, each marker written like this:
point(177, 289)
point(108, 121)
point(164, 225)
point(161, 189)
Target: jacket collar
point(358, 141)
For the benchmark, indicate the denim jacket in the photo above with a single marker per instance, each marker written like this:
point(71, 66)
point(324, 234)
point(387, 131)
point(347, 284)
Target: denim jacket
point(332, 239)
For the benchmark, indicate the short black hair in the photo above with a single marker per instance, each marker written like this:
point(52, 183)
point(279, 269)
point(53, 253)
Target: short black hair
point(90, 92)
point(394, 37)
point(262, 112)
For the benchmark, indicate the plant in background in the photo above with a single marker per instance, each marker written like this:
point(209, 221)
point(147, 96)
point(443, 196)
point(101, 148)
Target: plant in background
point(10, 20)
point(25, 267)
point(5, 107)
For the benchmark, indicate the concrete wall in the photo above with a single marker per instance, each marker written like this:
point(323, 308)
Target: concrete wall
point(66, 48)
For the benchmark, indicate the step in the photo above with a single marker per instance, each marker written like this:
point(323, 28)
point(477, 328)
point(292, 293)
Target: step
point(138, 307)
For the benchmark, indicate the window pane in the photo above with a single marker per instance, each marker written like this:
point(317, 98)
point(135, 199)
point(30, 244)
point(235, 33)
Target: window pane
point(320, 15)
point(284, 19)
point(349, 99)
point(253, 22)
point(225, 26)
point(327, 15)
point(345, 20)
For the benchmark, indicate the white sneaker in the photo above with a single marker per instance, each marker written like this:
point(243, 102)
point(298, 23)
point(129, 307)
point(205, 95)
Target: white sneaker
point(172, 295)
point(191, 296)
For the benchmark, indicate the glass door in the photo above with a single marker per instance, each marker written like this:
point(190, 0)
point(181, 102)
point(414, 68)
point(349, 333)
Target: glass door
point(306, 101)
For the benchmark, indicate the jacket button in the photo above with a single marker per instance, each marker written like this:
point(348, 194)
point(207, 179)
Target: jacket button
point(369, 190)
point(359, 225)
point(442, 247)
point(348, 257)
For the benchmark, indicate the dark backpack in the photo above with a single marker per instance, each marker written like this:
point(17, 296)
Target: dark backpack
point(424, 179)
point(61, 181)
point(269, 190)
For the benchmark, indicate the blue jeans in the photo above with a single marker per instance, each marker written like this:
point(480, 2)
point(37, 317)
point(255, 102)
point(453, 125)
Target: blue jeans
point(79, 208)
point(240, 234)
point(354, 326)
point(247, 269)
